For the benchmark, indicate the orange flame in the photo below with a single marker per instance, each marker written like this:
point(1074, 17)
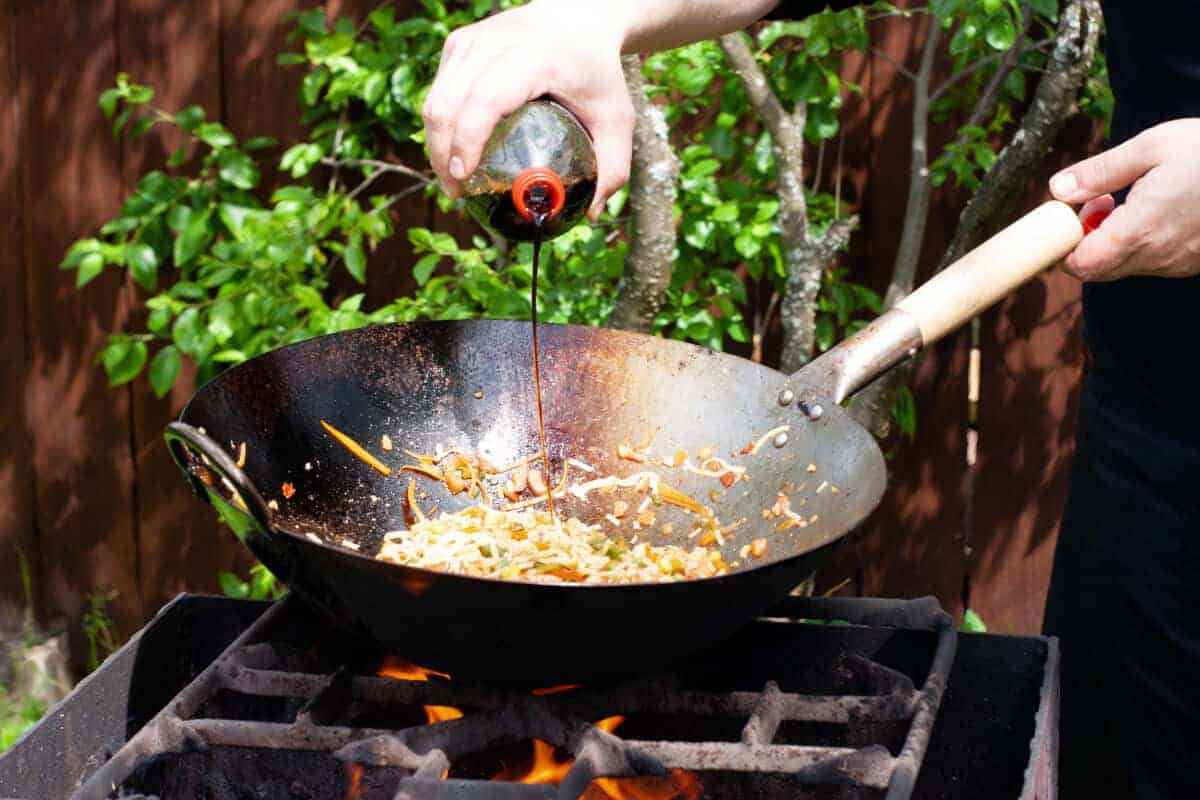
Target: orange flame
point(398, 669)
point(547, 768)
point(570, 687)
point(354, 773)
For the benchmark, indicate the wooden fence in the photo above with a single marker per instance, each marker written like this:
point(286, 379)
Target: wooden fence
point(88, 495)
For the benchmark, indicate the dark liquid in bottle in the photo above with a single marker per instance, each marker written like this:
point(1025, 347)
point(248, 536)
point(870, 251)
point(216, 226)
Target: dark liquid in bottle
point(502, 216)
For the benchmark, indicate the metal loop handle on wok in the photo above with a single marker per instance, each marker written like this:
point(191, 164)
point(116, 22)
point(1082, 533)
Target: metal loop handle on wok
point(202, 460)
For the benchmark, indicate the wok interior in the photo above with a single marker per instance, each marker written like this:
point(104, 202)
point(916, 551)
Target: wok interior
point(468, 385)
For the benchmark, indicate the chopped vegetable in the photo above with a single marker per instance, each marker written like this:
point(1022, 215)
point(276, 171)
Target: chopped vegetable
point(241, 459)
point(385, 442)
point(356, 450)
point(534, 546)
point(758, 548)
point(288, 490)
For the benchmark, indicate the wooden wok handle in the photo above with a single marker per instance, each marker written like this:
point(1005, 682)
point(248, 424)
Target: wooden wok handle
point(992, 270)
point(956, 294)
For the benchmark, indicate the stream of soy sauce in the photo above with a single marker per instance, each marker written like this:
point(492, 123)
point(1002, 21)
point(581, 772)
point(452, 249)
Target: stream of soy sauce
point(540, 208)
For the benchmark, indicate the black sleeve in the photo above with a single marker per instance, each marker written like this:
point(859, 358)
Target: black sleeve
point(799, 9)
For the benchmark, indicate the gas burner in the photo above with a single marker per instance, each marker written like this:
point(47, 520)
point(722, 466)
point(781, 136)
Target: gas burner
point(826, 697)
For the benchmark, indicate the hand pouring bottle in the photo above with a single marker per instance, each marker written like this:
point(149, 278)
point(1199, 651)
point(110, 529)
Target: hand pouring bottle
point(538, 170)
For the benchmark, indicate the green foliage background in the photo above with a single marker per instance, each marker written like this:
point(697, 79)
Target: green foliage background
point(232, 268)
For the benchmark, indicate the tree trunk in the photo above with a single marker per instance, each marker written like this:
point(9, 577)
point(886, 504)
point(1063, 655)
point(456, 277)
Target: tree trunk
point(652, 186)
point(806, 257)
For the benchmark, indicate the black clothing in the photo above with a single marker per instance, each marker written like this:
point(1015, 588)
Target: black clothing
point(1125, 592)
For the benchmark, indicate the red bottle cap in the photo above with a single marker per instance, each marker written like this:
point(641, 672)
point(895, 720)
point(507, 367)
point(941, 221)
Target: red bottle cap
point(538, 178)
point(1094, 220)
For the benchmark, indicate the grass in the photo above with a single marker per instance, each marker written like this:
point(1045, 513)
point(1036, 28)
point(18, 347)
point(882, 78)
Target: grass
point(16, 717)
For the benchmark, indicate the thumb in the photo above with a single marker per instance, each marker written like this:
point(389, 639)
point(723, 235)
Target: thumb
point(1110, 171)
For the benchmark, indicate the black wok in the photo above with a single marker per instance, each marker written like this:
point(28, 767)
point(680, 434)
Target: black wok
point(469, 384)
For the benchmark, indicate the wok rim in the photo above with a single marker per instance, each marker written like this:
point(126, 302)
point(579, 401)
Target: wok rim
point(273, 527)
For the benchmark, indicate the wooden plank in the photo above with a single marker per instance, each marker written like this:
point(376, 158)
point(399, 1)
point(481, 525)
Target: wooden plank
point(79, 427)
point(174, 47)
point(17, 518)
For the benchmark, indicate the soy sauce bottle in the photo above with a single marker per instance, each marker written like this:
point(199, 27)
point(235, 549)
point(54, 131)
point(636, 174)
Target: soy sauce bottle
point(537, 175)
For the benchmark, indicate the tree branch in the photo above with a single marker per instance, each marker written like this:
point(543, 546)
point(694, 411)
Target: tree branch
point(1021, 46)
point(382, 166)
point(903, 70)
point(1053, 103)
point(916, 211)
point(806, 258)
point(652, 187)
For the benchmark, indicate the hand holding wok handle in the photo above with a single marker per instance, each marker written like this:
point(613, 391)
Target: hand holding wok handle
point(215, 476)
point(974, 283)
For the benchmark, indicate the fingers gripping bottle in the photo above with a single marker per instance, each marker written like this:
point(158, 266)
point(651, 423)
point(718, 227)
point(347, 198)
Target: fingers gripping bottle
point(538, 170)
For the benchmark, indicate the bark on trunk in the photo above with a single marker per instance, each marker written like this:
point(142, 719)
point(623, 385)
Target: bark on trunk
point(653, 179)
point(806, 256)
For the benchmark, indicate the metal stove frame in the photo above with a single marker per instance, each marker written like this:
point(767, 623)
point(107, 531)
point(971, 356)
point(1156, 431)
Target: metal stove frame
point(504, 716)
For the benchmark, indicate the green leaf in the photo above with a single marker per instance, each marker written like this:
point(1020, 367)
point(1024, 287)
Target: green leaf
point(1015, 84)
point(822, 123)
point(693, 79)
point(90, 266)
point(356, 261)
point(187, 330)
point(194, 238)
point(158, 320)
point(374, 87)
point(314, 82)
point(726, 212)
point(141, 126)
point(259, 143)
point(221, 321)
point(108, 102)
point(237, 168)
point(747, 243)
point(233, 586)
point(425, 267)
point(123, 359)
point(190, 118)
point(119, 123)
point(972, 622)
point(1047, 8)
point(164, 369)
point(143, 264)
point(215, 135)
point(904, 413)
point(1000, 32)
point(739, 332)
point(178, 156)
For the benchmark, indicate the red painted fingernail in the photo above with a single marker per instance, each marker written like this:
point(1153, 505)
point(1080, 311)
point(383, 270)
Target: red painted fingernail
point(1094, 220)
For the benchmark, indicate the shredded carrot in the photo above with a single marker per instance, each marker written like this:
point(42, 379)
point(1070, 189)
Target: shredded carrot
point(428, 472)
point(412, 500)
point(288, 490)
point(357, 450)
point(678, 498)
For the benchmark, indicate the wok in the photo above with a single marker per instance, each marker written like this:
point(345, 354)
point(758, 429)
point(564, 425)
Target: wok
point(468, 384)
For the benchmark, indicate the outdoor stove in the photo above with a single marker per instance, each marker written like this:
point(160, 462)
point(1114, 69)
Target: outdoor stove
point(823, 698)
